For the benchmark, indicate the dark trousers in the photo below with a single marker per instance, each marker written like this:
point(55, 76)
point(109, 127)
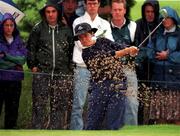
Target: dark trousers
point(105, 105)
point(10, 92)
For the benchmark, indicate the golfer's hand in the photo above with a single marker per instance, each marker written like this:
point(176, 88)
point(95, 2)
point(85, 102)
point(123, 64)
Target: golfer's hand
point(133, 51)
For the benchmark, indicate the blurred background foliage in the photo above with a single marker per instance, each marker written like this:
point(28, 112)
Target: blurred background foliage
point(31, 9)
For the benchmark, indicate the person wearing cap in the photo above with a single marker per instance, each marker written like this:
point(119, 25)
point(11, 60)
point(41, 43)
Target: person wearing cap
point(108, 81)
point(81, 74)
point(50, 47)
point(164, 54)
point(12, 58)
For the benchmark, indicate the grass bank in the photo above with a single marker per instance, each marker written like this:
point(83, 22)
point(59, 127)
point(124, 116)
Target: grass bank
point(155, 130)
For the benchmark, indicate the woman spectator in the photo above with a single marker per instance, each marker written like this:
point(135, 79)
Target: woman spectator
point(12, 58)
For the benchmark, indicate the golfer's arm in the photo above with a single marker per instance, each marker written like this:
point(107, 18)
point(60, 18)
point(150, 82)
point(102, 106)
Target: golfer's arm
point(122, 53)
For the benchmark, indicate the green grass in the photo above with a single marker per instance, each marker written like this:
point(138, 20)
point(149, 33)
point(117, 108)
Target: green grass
point(25, 102)
point(136, 10)
point(159, 130)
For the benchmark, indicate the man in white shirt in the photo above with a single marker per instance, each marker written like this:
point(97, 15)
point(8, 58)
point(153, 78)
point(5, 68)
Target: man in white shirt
point(81, 74)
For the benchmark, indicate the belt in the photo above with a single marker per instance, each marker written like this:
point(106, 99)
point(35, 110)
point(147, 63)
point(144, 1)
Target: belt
point(81, 65)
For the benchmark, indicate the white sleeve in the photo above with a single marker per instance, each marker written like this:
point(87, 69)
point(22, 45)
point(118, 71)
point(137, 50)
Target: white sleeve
point(77, 51)
point(132, 28)
point(108, 33)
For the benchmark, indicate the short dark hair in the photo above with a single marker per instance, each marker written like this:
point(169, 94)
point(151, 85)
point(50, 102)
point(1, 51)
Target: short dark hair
point(99, 1)
point(74, 0)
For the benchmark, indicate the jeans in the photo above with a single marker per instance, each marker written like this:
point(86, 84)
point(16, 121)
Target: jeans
point(81, 85)
point(131, 111)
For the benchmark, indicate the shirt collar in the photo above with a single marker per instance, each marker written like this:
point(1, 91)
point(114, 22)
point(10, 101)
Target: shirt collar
point(89, 18)
point(173, 29)
point(114, 26)
point(52, 26)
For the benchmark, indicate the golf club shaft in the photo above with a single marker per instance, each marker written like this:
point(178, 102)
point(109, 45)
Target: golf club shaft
point(150, 33)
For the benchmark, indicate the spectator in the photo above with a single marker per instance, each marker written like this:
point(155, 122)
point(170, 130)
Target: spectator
point(49, 56)
point(12, 58)
point(123, 31)
point(149, 20)
point(105, 8)
point(108, 83)
point(164, 54)
point(69, 14)
point(81, 74)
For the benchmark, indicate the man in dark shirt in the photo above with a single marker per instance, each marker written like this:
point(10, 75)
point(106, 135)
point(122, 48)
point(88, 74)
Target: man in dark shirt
point(68, 12)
